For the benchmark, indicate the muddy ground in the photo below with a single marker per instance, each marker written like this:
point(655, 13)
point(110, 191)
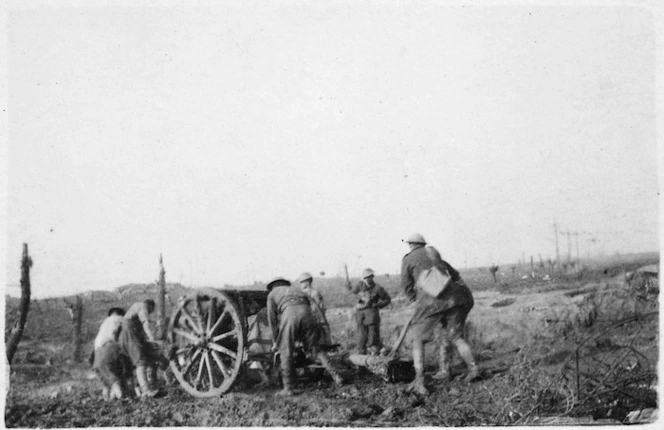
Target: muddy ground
point(585, 351)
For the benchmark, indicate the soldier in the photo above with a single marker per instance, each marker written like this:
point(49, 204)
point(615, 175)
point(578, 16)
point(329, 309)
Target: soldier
point(450, 309)
point(317, 308)
point(138, 343)
point(372, 298)
point(108, 359)
point(291, 320)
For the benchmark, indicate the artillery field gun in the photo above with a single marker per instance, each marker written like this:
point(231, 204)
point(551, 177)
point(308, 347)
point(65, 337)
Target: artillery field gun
point(216, 336)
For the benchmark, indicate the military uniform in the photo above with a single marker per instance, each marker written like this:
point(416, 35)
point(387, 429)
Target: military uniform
point(373, 297)
point(112, 366)
point(291, 320)
point(318, 310)
point(136, 341)
point(449, 309)
point(136, 334)
point(109, 361)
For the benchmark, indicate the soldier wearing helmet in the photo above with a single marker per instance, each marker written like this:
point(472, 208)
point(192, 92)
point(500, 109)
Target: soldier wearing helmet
point(317, 307)
point(372, 297)
point(448, 309)
point(291, 320)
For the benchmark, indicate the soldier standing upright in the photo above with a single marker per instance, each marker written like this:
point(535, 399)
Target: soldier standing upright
point(450, 309)
point(372, 297)
point(291, 320)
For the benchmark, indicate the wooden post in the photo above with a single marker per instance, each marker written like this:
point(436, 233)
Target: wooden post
point(532, 267)
point(555, 231)
point(77, 319)
point(24, 305)
point(161, 301)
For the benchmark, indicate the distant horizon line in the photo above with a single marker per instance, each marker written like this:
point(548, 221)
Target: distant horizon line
point(536, 263)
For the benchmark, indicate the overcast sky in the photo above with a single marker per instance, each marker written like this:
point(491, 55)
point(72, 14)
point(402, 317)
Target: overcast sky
point(244, 141)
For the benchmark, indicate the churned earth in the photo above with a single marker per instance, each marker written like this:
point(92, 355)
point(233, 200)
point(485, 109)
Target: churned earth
point(541, 351)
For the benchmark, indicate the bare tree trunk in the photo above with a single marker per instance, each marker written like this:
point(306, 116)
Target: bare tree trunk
point(24, 305)
point(161, 302)
point(77, 318)
point(532, 267)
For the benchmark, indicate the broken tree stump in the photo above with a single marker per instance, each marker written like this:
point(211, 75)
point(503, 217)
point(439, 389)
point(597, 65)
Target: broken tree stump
point(76, 313)
point(161, 302)
point(24, 305)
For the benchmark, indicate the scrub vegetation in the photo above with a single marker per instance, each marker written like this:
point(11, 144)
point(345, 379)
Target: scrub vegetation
point(554, 347)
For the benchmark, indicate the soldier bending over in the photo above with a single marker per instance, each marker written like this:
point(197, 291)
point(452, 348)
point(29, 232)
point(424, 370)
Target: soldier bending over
point(137, 341)
point(108, 359)
point(291, 320)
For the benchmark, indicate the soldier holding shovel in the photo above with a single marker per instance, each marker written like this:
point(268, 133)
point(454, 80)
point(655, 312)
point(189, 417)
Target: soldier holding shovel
point(442, 298)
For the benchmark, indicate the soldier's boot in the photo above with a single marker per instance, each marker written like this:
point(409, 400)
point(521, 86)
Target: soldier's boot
point(417, 386)
point(444, 357)
point(334, 373)
point(286, 378)
point(141, 376)
point(129, 387)
point(467, 355)
point(105, 392)
point(116, 391)
point(151, 373)
point(163, 362)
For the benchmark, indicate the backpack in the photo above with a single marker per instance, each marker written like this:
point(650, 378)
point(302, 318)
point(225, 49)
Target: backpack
point(433, 281)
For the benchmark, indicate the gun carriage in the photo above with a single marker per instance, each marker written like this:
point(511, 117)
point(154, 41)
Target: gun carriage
point(215, 338)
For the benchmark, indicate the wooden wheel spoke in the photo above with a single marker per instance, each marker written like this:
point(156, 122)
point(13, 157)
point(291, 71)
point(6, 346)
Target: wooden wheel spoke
point(224, 369)
point(190, 362)
point(223, 350)
point(183, 350)
point(224, 336)
point(199, 311)
point(216, 324)
point(209, 369)
point(186, 334)
point(200, 371)
point(189, 318)
point(211, 312)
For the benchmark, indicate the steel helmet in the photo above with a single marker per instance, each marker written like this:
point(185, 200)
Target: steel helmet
point(278, 281)
point(416, 238)
point(305, 277)
point(367, 273)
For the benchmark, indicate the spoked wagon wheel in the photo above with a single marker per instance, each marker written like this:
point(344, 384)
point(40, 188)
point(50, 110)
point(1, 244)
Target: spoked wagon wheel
point(208, 342)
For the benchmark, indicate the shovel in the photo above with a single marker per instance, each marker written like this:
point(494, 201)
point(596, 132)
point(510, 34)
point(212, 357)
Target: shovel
point(395, 349)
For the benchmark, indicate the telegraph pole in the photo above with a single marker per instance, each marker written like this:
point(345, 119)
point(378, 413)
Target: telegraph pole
point(576, 237)
point(555, 231)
